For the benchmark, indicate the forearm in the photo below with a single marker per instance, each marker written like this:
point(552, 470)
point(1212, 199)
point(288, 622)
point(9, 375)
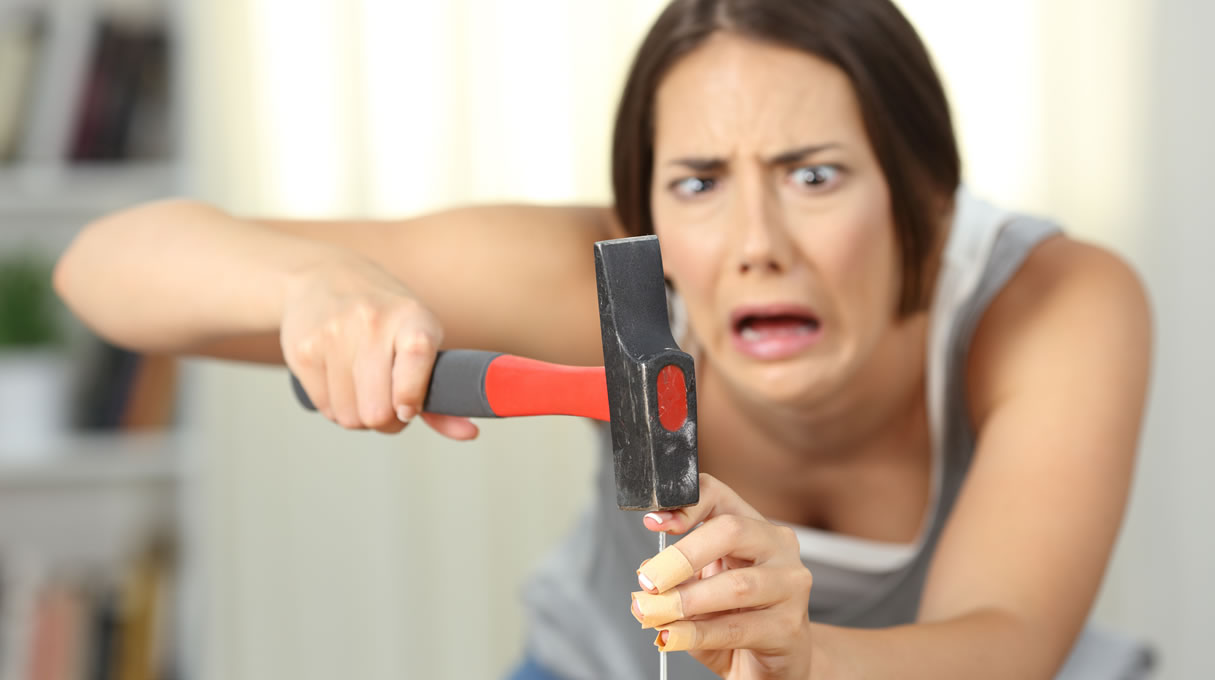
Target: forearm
point(979, 645)
point(175, 275)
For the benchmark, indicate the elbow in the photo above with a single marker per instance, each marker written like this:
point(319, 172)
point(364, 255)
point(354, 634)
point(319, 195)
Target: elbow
point(99, 247)
point(1025, 646)
point(85, 251)
point(65, 273)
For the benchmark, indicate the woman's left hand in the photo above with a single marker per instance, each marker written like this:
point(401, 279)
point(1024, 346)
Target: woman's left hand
point(742, 611)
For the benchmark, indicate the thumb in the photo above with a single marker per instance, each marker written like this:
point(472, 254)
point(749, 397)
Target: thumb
point(452, 427)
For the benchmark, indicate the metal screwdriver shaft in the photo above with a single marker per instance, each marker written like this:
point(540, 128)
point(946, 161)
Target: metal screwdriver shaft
point(662, 656)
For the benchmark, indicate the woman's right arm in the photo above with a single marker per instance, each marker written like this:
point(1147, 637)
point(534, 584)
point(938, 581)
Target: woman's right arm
point(342, 301)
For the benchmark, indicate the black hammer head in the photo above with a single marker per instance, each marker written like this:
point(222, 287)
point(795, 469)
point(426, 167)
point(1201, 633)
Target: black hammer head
point(651, 384)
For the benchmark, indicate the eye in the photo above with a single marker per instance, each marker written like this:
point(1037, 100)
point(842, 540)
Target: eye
point(816, 175)
point(690, 187)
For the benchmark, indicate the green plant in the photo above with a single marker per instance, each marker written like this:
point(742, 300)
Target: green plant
point(29, 307)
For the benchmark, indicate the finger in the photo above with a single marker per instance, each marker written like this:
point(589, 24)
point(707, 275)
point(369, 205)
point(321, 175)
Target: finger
point(724, 536)
point(731, 590)
point(373, 385)
point(315, 382)
point(343, 404)
point(394, 426)
point(453, 427)
point(413, 358)
point(756, 630)
point(714, 568)
point(308, 365)
point(715, 499)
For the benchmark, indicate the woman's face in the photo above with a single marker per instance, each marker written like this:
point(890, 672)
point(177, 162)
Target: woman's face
point(774, 217)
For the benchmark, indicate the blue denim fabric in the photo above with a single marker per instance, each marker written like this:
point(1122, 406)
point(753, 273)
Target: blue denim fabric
point(530, 670)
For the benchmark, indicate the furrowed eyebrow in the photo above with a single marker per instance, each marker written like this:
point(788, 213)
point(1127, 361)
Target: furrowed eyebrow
point(800, 154)
point(697, 164)
point(709, 164)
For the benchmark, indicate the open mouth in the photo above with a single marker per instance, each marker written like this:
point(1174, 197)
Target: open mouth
point(775, 332)
point(754, 327)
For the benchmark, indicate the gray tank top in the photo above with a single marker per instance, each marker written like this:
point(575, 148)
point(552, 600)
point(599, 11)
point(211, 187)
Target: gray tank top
point(578, 600)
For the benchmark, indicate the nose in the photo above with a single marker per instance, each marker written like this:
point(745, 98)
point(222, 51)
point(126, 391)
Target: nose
point(758, 259)
point(763, 247)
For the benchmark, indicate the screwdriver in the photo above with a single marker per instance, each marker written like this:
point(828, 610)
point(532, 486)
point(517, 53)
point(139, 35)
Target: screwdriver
point(662, 656)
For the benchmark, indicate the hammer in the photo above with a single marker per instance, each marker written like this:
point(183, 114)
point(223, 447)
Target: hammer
point(646, 388)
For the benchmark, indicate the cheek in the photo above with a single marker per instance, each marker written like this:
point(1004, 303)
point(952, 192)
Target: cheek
point(690, 245)
point(691, 255)
point(861, 264)
point(687, 259)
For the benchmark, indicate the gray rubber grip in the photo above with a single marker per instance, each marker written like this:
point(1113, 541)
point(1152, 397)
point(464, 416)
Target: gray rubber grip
point(457, 385)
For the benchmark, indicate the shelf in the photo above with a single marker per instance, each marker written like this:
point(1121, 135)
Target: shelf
point(92, 459)
point(81, 191)
point(89, 499)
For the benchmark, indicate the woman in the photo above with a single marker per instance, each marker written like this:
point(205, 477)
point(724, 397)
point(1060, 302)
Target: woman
point(927, 403)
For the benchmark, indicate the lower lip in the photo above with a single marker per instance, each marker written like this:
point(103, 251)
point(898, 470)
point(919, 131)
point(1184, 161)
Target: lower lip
point(776, 345)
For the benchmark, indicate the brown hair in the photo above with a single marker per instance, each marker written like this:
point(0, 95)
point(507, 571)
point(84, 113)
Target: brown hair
point(902, 102)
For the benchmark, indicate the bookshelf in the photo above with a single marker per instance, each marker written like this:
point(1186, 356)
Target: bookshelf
point(88, 498)
point(88, 120)
point(89, 518)
point(88, 533)
point(44, 190)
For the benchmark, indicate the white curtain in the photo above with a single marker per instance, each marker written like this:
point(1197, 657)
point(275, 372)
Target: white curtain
point(329, 554)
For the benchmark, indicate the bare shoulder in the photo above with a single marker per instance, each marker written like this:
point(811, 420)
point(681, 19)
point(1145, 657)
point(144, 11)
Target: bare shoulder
point(1069, 304)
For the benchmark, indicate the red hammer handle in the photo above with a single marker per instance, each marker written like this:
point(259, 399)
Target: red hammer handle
point(515, 386)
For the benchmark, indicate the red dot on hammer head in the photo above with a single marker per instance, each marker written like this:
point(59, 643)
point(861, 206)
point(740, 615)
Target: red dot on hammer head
point(672, 398)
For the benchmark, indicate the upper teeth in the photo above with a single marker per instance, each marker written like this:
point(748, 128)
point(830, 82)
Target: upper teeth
point(749, 332)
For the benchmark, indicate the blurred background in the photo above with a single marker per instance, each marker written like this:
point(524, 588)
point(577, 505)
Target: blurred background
point(166, 518)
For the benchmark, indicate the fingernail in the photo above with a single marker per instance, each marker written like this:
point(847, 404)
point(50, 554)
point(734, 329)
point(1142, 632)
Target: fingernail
point(654, 516)
point(635, 609)
point(644, 581)
point(406, 413)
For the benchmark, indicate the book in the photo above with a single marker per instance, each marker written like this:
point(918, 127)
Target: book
point(152, 398)
point(20, 38)
point(62, 60)
point(141, 654)
point(105, 635)
point(108, 376)
point(23, 577)
point(57, 635)
point(125, 88)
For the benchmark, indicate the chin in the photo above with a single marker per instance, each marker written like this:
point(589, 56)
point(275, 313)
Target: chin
point(801, 380)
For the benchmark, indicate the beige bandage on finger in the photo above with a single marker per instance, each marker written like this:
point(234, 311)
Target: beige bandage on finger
point(657, 610)
point(679, 637)
point(668, 569)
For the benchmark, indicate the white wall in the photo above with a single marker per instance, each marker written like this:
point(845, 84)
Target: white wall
point(332, 554)
point(1162, 583)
